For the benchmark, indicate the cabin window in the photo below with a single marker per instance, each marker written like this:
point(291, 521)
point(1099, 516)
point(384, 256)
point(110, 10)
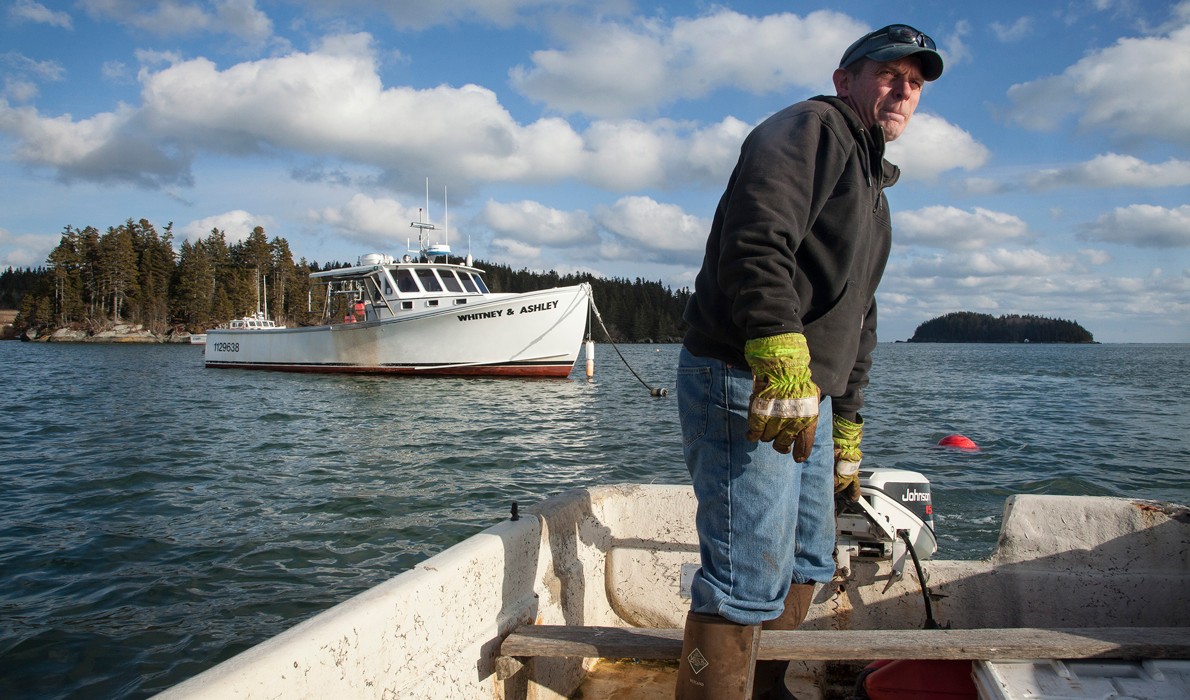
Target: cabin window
point(451, 282)
point(483, 288)
point(406, 305)
point(460, 301)
point(405, 281)
point(432, 302)
point(429, 281)
point(468, 283)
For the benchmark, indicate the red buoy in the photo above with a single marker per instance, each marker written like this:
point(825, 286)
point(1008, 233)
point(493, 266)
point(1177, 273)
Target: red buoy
point(960, 442)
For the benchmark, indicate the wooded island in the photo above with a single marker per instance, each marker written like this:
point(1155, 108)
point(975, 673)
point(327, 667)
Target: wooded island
point(969, 327)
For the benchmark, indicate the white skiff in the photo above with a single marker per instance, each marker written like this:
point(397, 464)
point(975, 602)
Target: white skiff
point(526, 608)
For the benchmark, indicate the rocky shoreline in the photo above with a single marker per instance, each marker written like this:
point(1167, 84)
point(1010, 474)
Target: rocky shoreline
point(118, 333)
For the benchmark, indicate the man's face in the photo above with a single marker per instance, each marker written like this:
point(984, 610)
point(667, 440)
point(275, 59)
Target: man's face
point(883, 93)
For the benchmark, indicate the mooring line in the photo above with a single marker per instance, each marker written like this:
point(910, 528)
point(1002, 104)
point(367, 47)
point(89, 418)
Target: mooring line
point(653, 391)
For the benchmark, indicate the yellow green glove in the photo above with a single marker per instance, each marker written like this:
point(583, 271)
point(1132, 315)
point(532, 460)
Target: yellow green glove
point(783, 409)
point(847, 437)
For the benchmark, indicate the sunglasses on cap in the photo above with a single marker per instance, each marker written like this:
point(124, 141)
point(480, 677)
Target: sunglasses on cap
point(904, 34)
point(896, 33)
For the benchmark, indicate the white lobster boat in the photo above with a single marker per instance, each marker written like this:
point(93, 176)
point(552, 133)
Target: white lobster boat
point(533, 608)
point(423, 315)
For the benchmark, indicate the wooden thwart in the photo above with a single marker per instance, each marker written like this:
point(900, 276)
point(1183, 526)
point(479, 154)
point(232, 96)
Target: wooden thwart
point(859, 645)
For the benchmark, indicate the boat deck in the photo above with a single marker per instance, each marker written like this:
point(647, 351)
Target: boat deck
point(629, 679)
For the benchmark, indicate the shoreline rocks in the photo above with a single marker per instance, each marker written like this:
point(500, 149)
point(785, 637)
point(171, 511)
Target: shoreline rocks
point(118, 333)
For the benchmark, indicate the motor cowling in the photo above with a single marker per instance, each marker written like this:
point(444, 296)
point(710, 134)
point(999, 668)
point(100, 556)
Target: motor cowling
point(892, 502)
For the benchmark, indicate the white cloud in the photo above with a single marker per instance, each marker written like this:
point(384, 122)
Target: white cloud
point(931, 146)
point(34, 12)
point(330, 104)
point(954, 50)
point(1142, 226)
point(1130, 89)
point(109, 147)
point(1015, 31)
point(20, 90)
point(512, 249)
point(25, 74)
point(115, 71)
point(25, 250)
point(614, 70)
point(710, 153)
point(532, 222)
point(951, 228)
point(377, 223)
point(239, 18)
point(648, 225)
point(235, 225)
point(420, 14)
point(1114, 170)
point(1095, 257)
point(1032, 282)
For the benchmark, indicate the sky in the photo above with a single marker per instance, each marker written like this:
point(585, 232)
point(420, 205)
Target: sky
point(1045, 173)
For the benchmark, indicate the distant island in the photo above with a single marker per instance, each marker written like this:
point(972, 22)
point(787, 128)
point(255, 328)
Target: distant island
point(969, 327)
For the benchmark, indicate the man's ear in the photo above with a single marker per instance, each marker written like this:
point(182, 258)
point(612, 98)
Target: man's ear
point(842, 78)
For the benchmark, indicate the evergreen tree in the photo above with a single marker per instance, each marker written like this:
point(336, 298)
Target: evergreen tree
point(225, 280)
point(65, 264)
point(255, 258)
point(118, 264)
point(156, 262)
point(194, 287)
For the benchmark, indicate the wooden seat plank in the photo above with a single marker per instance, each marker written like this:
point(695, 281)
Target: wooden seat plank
point(832, 645)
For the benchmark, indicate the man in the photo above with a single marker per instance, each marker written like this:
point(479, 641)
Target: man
point(782, 326)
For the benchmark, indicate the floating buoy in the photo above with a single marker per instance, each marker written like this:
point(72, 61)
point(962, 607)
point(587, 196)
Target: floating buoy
point(959, 442)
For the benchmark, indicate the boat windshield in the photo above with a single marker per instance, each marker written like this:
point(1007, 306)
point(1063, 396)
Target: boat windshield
point(428, 280)
point(405, 281)
point(451, 282)
point(483, 288)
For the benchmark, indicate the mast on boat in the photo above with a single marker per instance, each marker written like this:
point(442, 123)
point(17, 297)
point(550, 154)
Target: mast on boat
point(423, 225)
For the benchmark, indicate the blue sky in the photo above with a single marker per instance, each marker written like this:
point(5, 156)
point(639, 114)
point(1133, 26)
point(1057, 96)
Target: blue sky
point(1045, 173)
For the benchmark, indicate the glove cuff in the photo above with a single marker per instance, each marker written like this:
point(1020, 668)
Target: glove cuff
point(847, 437)
point(847, 467)
point(784, 351)
point(804, 407)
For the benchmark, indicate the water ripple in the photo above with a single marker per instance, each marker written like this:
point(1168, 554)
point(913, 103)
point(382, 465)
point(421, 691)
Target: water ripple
point(159, 517)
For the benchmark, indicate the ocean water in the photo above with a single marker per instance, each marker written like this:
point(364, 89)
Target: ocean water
point(157, 517)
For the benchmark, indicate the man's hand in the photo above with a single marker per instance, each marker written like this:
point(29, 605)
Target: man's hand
point(784, 405)
point(847, 437)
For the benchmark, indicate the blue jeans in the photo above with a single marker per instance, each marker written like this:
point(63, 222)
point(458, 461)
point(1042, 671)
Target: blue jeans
point(764, 521)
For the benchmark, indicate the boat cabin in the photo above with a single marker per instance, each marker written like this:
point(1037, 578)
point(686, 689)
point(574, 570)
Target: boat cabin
point(255, 322)
point(379, 288)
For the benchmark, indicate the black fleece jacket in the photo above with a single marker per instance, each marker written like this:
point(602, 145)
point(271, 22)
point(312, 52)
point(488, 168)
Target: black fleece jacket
point(798, 245)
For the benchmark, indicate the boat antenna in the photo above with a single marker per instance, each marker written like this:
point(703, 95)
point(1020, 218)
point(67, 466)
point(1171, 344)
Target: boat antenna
point(423, 225)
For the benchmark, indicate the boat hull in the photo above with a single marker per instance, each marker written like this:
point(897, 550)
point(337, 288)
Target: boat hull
point(535, 334)
point(621, 556)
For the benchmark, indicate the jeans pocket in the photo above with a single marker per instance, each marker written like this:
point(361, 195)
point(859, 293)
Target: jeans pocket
point(694, 395)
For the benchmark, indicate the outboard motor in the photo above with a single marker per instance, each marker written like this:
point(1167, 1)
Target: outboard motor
point(893, 518)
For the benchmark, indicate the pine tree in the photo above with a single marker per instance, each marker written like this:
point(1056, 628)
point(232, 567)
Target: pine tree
point(194, 287)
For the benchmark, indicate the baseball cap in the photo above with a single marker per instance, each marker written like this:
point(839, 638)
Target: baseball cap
point(894, 42)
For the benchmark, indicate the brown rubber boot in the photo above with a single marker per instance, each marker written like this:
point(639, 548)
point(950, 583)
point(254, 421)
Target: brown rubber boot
point(718, 659)
point(769, 683)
